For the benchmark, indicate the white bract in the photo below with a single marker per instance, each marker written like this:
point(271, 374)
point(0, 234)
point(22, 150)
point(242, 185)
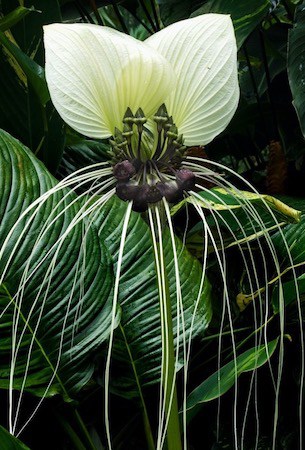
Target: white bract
point(95, 73)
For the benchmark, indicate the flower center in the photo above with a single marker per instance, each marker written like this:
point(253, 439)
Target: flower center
point(147, 160)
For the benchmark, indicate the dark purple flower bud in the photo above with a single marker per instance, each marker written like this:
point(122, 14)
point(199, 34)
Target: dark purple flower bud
point(186, 179)
point(140, 203)
point(127, 191)
point(171, 191)
point(136, 164)
point(153, 194)
point(139, 206)
point(124, 170)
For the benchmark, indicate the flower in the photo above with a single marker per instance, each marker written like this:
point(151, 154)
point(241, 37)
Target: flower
point(154, 98)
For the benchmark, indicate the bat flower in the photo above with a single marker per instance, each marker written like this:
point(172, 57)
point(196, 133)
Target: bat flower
point(152, 99)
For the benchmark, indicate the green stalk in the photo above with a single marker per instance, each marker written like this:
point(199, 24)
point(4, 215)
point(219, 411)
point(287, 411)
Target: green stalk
point(75, 440)
point(147, 427)
point(83, 429)
point(171, 407)
point(173, 430)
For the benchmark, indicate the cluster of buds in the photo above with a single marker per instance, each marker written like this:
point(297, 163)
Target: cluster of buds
point(145, 177)
point(142, 194)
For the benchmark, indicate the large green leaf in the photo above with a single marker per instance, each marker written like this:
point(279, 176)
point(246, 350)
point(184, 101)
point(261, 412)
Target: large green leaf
point(173, 10)
point(137, 348)
point(28, 33)
point(296, 64)
point(239, 223)
point(80, 152)
point(222, 380)
point(20, 111)
point(14, 17)
point(245, 15)
point(289, 292)
point(275, 46)
point(64, 314)
point(33, 71)
point(9, 442)
point(294, 235)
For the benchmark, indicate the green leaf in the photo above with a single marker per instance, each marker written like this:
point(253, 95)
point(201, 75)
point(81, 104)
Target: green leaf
point(28, 33)
point(245, 15)
point(65, 308)
point(9, 442)
point(239, 224)
point(173, 10)
point(52, 144)
point(32, 70)
point(20, 110)
point(219, 199)
point(289, 293)
point(295, 238)
point(275, 45)
point(14, 17)
point(296, 64)
point(222, 380)
point(137, 347)
point(80, 152)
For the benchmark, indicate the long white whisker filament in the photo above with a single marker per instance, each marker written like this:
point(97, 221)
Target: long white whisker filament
point(166, 330)
point(39, 202)
point(161, 301)
point(281, 299)
point(227, 300)
point(19, 294)
point(179, 312)
point(221, 219)
point(48, 277)
point(252, 214)
point(113, 317)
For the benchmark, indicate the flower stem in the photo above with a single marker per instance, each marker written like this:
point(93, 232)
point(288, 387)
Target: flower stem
point(83, 429)
point(170, 402)
point(173, 429)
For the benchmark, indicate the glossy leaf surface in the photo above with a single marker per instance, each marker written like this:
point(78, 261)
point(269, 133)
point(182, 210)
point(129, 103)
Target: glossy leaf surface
point(62, 313)
point(137, 348)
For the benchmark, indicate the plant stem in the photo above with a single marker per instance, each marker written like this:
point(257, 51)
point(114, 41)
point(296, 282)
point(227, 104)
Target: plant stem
point(173, 429)
point(146, 12)
point(148, 433)
point(120, 18)
point(155, 9)
point(82, 10)
point(168, 358)
point(96, 12)
point(275, 134)
point(75, 440)
point(84, 431)
point(147, 427)
point(260, 109)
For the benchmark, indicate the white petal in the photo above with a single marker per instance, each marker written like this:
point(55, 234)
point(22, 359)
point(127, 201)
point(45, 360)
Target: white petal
point(95, 73)
point(202, 51)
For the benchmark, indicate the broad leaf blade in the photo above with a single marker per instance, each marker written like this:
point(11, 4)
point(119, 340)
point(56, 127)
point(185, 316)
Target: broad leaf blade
point(33, 71)
point(9, 442)
point(63, 314)
point(137, 349)
point(14, 17)
point(222, 380)
point(290, 291)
